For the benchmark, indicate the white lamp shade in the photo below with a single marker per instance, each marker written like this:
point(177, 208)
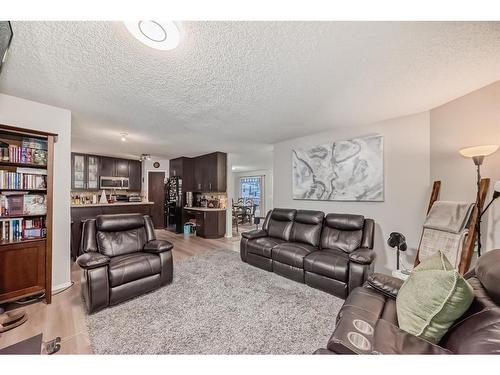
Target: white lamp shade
point(496, 187)
point(484, 150)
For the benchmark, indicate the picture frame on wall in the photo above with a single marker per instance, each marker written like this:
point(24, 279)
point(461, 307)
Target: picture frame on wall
point(345, 170)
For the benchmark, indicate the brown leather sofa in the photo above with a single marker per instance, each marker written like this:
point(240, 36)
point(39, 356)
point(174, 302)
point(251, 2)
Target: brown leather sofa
point(476, 332)
point(121, 258)
point(333, 253)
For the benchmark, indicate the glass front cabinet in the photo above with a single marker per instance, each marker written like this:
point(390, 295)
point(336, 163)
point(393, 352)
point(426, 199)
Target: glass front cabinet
point(84, 172)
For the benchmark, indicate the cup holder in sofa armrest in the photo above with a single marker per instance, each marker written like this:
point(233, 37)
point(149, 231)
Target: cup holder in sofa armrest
point(352, 335)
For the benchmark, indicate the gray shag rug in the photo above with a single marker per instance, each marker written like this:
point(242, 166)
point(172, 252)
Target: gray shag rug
point(218, 304)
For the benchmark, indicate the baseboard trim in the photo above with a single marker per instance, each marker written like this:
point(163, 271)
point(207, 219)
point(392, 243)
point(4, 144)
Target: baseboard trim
point(59, 287)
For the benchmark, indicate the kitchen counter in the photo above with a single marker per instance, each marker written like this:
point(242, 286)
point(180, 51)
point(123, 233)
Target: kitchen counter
point(110, 204)
point(204, 209)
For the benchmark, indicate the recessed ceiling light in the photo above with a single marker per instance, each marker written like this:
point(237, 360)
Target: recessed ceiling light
point(123, 136)
point(162, 35)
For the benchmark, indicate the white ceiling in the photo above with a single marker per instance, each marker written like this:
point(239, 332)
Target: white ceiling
point(241, 86)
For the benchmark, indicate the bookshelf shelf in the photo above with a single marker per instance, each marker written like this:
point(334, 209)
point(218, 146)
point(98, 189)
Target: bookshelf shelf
point(25, 165)
point(21, 216)
point(24, 190)
point(26, 239)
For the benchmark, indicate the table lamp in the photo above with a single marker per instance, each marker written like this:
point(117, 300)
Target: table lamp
point(478, 153)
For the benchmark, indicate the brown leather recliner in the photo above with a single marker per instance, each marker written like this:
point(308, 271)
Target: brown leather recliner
point(332, 253)
point(475, 332)
point(121, 258)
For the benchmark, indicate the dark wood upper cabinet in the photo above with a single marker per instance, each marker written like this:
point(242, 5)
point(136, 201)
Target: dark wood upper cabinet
point(183, 167)
point(86, 171)
point(135, 175)
point(121, 168)
point(106, 166)
point(205, 173)
point(217, 171)
point(175, 167)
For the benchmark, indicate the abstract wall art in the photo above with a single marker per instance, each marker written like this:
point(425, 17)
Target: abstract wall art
point(348, 170)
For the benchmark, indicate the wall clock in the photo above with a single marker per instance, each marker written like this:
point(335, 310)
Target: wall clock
point(156, 164)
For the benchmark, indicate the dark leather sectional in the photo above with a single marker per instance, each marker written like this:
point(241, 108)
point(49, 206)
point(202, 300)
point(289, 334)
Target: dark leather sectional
point(476, 332)
point(333, 253)
point(121, 258)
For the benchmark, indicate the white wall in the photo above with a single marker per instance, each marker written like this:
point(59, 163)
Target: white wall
point(268, 185)
point(147, 166)
point(32, 115)
point(471, 120)
point(407, 186)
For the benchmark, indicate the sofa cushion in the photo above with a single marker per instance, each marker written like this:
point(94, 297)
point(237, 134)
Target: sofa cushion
point(130, 267)
point(330, 263)
point(307, 227)
point(280, 223)
point(119, 222)
point(120, 243)
point(432, 298)
point(262, 246)
point(342, 232)
point(292, 253)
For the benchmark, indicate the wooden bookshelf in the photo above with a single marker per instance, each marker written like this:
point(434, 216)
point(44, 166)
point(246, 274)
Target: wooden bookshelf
point(26, 261)
point(22, 165)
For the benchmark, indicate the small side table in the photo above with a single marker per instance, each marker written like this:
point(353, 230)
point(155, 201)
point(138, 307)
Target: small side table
point(400, 275)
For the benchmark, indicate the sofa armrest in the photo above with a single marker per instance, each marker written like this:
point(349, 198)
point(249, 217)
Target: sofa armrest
point(385, 284)
point(363, 255)
point(92, 260)
point(157, 246)
point(390, 339)
point(253, 234)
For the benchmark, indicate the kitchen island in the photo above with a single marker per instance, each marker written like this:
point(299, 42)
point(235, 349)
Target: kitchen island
point(82, 212)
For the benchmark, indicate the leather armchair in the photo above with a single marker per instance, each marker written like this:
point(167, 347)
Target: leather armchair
point(121, 258)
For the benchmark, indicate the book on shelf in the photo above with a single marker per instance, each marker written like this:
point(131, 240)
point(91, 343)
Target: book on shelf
point(25, 179)
point(27, 153)
point(22, 204)
point(15, 229)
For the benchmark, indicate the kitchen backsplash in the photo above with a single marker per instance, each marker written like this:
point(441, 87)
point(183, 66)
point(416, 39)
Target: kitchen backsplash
point(210, 199)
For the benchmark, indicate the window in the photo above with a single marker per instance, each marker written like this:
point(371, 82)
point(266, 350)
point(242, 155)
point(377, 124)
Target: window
point(252, 187)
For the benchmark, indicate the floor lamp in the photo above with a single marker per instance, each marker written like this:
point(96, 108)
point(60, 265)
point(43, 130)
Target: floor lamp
point(478, 153)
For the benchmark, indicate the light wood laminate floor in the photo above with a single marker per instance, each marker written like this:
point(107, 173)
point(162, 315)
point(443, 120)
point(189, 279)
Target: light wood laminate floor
point(65, 316)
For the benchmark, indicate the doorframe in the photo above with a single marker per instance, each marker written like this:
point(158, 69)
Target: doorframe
point(262, 205)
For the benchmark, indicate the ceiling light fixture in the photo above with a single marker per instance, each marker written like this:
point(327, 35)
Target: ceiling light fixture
point(123, 136)
point(145, 157)
point(162, 35)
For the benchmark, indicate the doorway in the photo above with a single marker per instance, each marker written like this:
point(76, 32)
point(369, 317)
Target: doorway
point(252, 188)
point(156, 194)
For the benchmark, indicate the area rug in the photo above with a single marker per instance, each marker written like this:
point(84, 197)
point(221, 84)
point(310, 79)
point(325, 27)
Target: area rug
point(218, 304)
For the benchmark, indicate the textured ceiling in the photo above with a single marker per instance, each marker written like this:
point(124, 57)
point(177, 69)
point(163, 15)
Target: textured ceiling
point(241, 86)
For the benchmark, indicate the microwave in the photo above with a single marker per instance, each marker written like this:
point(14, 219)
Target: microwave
point(119, 183)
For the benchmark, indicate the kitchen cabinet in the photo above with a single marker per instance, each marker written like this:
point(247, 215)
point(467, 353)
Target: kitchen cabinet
point(84, 172)
point(121, 168)
point(183, 167)
point(135, 175)
point(210, 223)
point(210, 172)
point(106, 166)
point(205, 173)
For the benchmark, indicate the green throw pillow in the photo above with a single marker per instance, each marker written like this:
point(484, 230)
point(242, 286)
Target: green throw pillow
point(432, 298)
